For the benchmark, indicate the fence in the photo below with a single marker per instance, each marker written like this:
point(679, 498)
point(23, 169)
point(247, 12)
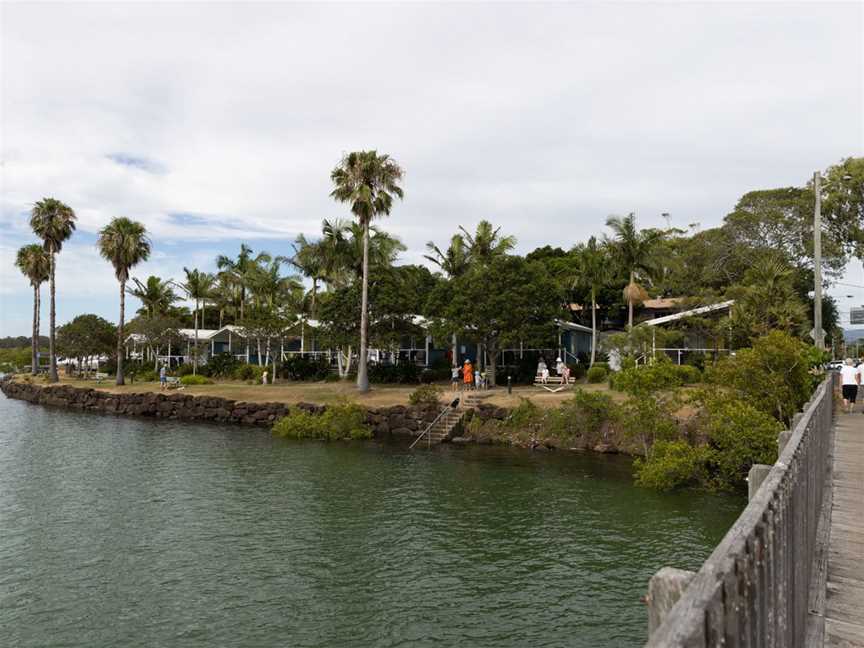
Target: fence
point(754, 589)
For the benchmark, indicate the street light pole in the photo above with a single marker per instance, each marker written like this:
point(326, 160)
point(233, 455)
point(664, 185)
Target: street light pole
point(817, 264)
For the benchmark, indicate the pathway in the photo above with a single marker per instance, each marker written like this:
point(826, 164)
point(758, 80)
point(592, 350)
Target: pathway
point(844, 598)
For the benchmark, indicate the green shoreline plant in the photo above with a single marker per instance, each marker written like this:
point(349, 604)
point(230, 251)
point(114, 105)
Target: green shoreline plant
point(342, 421)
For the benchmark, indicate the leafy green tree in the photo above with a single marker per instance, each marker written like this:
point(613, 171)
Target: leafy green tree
point(34, 263)
point(843, 208)
point(157, 332)
point(634, 250)
point(508, 300)
point(124, 243)
point(53, 222)
point(368, 182)
point(86, 336)
point(157, 295)
point(198, 286)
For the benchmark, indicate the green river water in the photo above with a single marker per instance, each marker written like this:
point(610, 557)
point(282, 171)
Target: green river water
point(122, 532)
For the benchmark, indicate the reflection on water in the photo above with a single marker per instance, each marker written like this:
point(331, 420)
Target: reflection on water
point(119, 532)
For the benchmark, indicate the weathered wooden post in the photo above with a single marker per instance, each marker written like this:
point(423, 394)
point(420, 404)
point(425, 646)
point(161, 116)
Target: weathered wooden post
point(664, 590)
point(757, 474)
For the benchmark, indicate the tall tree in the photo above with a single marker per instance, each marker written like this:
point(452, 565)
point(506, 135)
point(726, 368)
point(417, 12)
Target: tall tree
point(33, 262)
point(368, 182)
point(592, 268)
point(198, 286)
point(124, 243)
point(53, 222)
point(309, 259)
point(634, 250)
point(86, 336)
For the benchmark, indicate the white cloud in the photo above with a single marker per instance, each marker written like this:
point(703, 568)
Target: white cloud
point(543, 118)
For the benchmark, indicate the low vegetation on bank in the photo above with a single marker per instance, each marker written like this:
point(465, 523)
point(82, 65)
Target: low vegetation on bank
point(342, 421)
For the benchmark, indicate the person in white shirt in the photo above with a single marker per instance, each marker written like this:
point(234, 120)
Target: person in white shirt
point(850, 377)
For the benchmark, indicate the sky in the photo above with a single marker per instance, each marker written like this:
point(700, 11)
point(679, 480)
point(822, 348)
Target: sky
point(216, 124)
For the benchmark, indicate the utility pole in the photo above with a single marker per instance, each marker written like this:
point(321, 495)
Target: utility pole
point(817, 264)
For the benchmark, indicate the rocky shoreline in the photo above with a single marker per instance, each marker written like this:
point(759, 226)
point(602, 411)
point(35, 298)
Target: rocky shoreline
point(397, 420)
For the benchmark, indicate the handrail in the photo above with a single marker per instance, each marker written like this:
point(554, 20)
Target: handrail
point(754, 588)
point(428, 429)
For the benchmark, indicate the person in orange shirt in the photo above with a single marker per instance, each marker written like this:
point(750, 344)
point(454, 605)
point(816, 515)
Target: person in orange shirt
point(467, 374)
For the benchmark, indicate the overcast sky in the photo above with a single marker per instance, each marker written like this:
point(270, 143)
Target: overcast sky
point(219, 123)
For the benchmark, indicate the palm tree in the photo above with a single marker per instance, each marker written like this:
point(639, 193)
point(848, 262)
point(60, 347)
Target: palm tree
point(198, 286)
point(33, 262)
point(156, 295)
point(486, 243)
point(368, 182)
point(53, 222)
point(453, 261)
point(634, 251)
point(309, 259)
point(240, 270)
point(124, 243)
point(592, 265)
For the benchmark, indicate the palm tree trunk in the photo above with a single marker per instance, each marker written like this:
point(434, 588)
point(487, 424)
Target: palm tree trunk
point(52, 316)
point(593, 327)
point(120, 333)
point(630, 302)
point(34, 341)
point(195, 350)
point(362, 376)
point(38, 319)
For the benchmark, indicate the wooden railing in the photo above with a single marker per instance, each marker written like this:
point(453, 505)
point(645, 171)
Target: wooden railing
point(755, 588)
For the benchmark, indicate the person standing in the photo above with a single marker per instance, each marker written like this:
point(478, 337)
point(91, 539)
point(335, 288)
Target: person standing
point(467, 374)
point(850, 377)
point(454, 379)
point(163, 378)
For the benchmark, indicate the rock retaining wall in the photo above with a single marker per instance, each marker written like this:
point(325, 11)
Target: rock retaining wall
point(385, 421)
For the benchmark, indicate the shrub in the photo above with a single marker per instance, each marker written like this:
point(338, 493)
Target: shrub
point(577, 371)
point(648, 419)
point(739, 435)
point(525, 416)
point(774, 376)
point(344, 420)
point(425, 395)
point(647, 379)
point(190, 379)
point(249, 372)
point(147, 375)
point(222, 365)
point(597, 374)
point(435, 374)
point(688, 374)
point(586, 414)
point(305, 368)
point(185, 370)
point(672, 464)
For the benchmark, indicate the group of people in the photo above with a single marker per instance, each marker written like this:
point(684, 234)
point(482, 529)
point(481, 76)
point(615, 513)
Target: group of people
point(467, 377)
point(561, 369)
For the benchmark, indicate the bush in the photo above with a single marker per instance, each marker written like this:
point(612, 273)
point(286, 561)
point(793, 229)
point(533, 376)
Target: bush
point(672, 464)
point(648, 419)
point(305, 368)
point(739, 435)
point(577, 371)
point(647, 379)
point(148, 375)
point(222, 365)
point(404, 373)
point(435, 374)
point(586, 414)
point(190, 379)
point(249, 372)
point(185, 370)
point(425, 395)
point(688, 374)
point(525, 416)
point(774, 376)
point(343, 420)
point(597, 374)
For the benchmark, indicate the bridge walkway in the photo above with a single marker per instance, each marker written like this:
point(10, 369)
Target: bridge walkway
point(844, 593)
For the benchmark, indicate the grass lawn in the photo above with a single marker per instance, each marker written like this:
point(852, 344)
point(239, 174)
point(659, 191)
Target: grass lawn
point(328, 392)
